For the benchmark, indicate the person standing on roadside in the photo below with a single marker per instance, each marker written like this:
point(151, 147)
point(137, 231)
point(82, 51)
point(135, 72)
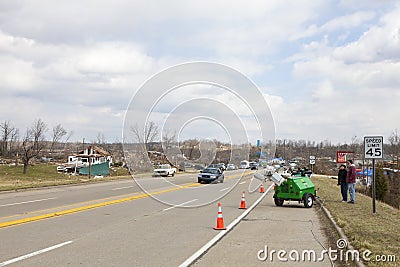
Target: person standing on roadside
point(342, 176)
point(351, 180)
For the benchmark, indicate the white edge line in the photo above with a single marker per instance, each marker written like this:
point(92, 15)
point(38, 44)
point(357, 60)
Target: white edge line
point(221, 234)
point(175, 206)
point(24, 257)
point(25, 202)
point(119, 188)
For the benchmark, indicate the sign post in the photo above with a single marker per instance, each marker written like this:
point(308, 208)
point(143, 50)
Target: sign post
point(343, 156)
point(373, 149)
point(312, 163)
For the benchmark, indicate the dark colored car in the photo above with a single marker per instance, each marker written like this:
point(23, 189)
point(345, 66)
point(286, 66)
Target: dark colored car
point(253, 166)
point(209, 175)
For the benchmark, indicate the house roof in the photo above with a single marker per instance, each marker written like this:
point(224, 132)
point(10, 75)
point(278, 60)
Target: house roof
point(98, 151)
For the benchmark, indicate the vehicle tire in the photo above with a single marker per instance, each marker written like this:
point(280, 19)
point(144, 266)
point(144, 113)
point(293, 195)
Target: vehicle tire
point(278, 201)
point(308, 200)
point(173, 174)
point(199, 181)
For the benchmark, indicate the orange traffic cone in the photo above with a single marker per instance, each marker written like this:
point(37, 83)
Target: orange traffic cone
point(243, 202)
point(220, 219)
point(262, 189)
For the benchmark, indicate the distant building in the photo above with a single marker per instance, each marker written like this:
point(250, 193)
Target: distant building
point(93, 160)
point(94, 154)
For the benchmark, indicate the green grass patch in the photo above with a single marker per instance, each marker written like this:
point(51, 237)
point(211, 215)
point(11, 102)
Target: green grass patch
point(379, 232)
point(42, 175)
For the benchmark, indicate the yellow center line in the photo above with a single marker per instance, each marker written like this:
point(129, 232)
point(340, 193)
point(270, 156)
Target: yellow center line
point(93, 206)
point(98, 205)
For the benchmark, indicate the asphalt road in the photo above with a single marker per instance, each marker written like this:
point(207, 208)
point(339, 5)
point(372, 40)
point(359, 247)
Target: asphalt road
point(117, 223)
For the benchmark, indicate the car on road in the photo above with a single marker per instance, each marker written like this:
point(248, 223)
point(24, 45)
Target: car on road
point(253, 165)
point(222, 166)
point(209, 175)
point(231, 167)
point(164, 170)
point(244, 164)
point(218, 166)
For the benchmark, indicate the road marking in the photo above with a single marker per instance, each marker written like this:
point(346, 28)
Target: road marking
point(120, 188)
point(222, 233)
point(98, 205)
point(93, 206)
point(179, 205)
point(242, 183)
point(24, 257)
point(224, 189)
point(25, 202)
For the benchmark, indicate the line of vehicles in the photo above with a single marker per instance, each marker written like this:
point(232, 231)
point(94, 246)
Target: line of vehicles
point(215, 172)
point(212, 173)
point(290, 185)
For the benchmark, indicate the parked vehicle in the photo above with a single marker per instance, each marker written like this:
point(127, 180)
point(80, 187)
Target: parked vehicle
point(209, 175)
point(60, 168)
point(164, 170)
point(294, 188)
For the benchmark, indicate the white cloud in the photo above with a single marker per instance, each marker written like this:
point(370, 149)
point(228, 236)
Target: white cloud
point(112, 58)
point(324, 91)
point(348, 21)
point(17, 75)
point(380, 42)
point(325, 64)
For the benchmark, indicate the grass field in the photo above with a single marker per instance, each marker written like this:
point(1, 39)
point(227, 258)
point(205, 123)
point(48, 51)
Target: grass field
point(379, 232)
point(40, 175)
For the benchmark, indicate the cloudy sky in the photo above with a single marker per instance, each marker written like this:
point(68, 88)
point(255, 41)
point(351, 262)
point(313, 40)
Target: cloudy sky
point(329, 69)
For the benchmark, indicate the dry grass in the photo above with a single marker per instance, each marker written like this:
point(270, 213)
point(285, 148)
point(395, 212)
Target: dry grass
point(379, 232)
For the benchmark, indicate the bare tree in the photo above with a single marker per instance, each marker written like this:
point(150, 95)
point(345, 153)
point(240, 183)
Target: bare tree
point(146, 135)
point(168, 138)
point(71, 133)
point(33, 142)
point(14, 142)
point(58, 133)
point(170, 147)
point(394, 140)
point(101, 139)
point(7, 131)
point(190, 146)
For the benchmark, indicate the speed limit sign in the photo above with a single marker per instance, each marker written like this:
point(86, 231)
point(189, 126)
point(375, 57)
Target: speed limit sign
point(373, 147)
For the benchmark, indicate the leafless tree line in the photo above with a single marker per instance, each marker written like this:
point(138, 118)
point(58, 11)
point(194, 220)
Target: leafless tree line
point(289, 149)
point(31, 143)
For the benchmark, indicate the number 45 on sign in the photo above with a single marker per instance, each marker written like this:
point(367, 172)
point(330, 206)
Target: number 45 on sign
point(373, 147)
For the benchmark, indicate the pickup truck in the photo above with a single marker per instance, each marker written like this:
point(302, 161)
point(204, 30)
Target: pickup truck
point(164, 170)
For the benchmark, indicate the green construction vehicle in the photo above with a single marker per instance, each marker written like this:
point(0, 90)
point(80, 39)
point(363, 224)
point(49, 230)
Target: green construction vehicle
point(296, 188)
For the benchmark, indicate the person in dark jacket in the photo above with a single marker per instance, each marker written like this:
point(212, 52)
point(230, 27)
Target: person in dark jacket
point(351, 180)
point(342, 175)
